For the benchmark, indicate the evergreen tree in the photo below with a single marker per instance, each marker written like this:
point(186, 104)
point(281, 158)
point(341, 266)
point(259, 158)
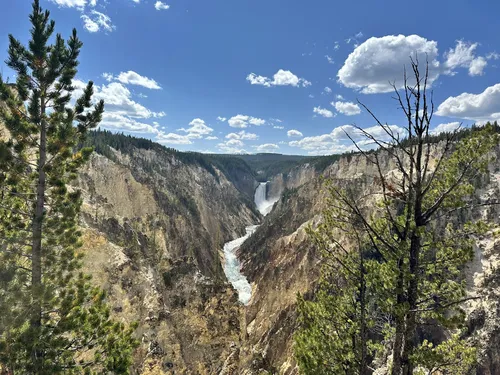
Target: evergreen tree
point(409, 264)
point(52, 320)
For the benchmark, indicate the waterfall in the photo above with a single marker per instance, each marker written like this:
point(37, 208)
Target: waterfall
point(263, 204)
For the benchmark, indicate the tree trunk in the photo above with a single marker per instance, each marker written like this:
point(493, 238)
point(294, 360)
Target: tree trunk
point(411, 324)
point(400, 324)
point(36, 247)
point(362, 297)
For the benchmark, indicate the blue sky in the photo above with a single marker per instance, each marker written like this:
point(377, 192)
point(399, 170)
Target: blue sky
point(272, 76)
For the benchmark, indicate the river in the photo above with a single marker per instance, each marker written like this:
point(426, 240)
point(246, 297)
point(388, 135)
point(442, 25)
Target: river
point(232, 265)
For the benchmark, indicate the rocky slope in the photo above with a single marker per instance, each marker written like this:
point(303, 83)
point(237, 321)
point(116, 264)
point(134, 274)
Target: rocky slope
point(154, 222)
point(281, 262)
point(153, 229)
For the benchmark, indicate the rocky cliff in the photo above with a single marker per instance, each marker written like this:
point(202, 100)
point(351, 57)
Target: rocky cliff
point(281, 262)
point(153, 229)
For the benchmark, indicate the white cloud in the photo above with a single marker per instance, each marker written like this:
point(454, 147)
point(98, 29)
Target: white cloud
point(446, 128)
point(339, 97)
point(323, 112)
point(338, 142)
point(221, 119)
point(294, 133)
point(256, 121)
point(254, 79)
point(172, 138)
point(117, 122)
point(133, 78)
point(336, 46)
point(70, 3)
point(329, 59)
point(117, 99)
point(197, 129)
point(493, 56)
point(161, 6)
point(267, 147)
point(121, 112)
point(476, 107)
point(327, 90)
point(233, 146)
point(280, 78)
point(211, 138)
point(477, 66)
point(347, 108)
point(90, 25)
point(278, 127)
point(108, 76)
point(243, 135)
point(463, 56)
point(243, 121)
point(378, 61)
point(311, 96)
point(96, 21)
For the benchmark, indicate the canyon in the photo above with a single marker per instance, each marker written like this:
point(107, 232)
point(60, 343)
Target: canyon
point(208, 254)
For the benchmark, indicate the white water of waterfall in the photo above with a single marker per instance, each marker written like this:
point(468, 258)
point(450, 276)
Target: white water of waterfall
point(232, 265)
point(263, 204)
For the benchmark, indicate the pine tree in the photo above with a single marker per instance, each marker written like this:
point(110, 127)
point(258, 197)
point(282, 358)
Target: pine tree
point(409, 263)
point(52, 320)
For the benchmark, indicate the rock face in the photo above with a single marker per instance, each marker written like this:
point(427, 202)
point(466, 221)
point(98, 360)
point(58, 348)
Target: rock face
point(280, 262)
point(153, 230)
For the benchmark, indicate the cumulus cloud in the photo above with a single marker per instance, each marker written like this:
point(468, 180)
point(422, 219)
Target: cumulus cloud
point(323, 112)
point(280, 78)
point(122, 112)
point(378, 61)
point(118, 100)
point(70, 3)
point(175, 139)
point(243, 135)
point(477, 66)
point(133, 78)
point(117, 122)
point(337, 140)
point(327, 90)
point(95, 21)
point(294, 133)
point(476, 107)
point(446, 128)
point(463, 56)
point(221, 119)
point(347, 108)
point(161, 6)
point(233, 146)
point(267, 147)
point(197, 129)
point(243, 121)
